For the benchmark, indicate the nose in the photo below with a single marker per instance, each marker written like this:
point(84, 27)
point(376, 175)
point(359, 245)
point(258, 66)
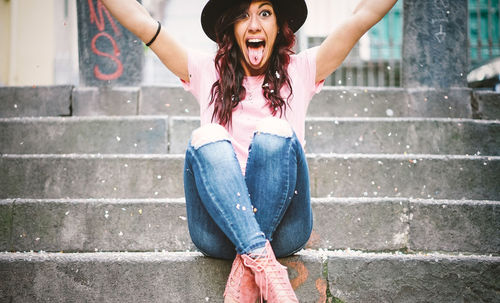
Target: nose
point(254, 24)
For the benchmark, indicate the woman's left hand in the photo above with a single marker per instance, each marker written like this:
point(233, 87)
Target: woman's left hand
point(339, 43)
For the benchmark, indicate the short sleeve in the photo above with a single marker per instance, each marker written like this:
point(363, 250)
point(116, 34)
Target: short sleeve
point(202, 74)
point(304, 68)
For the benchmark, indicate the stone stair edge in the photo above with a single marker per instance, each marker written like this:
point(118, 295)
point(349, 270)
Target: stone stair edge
point(319, 255)
point(316, 200)
point(316, 276)
point(386, 224)
point(310, 156)
point(196, 118)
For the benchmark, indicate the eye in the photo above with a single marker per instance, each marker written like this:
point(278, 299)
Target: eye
point(244, 15)
point(265, 13)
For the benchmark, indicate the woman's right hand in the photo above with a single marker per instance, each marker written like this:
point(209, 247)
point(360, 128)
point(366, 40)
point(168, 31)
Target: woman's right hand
point(134, 17)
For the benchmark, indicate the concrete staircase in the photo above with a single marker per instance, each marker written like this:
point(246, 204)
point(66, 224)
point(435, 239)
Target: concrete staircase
point(407, 209)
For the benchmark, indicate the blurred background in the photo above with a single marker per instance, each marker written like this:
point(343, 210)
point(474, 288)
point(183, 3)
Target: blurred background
point(40, 42)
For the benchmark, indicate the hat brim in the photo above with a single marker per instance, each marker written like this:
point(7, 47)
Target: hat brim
point(293, 11)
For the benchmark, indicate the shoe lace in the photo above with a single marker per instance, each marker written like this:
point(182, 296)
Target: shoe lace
point(272, 271)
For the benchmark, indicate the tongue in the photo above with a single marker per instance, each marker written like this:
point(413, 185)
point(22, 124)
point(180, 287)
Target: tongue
point(255, 54)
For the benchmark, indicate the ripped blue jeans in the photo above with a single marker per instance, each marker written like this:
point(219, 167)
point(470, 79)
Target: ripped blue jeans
point(229, 213)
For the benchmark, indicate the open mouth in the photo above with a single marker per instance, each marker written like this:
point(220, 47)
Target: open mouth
point(255, 50)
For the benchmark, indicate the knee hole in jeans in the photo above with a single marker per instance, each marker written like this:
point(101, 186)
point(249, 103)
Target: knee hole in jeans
point(207, 134)
point(275, 126)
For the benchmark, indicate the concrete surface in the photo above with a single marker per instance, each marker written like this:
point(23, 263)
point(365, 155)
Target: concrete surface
point(189, 277)
point(91, 135)
point(35, 101)
point(369, 224)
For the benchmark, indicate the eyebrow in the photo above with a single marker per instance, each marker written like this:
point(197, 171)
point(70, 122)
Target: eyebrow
point(265, 3)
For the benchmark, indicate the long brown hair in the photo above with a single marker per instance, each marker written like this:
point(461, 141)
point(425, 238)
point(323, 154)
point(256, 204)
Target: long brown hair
point(228, 91)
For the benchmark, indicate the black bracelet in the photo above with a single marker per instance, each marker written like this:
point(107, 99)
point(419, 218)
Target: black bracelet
point(156, 35)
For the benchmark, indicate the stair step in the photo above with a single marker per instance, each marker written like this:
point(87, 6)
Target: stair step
point(331, 101)
point(331, 175)
point(189, 277)
point(173, 100)
point(334, 101)
point(35, 101)
point(91, 135)
point(380, 135)
point(160, 135)
point(373, 224)
point(488, 104)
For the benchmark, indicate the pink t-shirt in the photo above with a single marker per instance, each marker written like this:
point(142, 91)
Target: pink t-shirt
point(302, 73)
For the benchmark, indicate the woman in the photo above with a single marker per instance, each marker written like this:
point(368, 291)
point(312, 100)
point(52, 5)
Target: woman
point(246, 178)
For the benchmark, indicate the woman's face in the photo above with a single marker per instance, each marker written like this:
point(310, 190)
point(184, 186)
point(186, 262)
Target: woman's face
point(255, 34)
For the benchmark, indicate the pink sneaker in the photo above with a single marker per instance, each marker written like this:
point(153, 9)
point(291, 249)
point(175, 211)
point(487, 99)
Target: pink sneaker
point(271, 277)
point(240, 286)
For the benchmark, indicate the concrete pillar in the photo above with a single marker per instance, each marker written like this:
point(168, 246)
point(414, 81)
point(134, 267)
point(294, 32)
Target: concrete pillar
point(435, 57)
point(109, 55)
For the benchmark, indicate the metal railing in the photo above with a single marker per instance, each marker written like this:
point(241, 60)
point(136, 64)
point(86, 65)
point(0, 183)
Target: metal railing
point(382, 67)
point(484, 31)
point(376, 59)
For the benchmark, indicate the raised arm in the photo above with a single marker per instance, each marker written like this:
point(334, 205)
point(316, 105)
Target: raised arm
point(134, 17)
point(339, 43)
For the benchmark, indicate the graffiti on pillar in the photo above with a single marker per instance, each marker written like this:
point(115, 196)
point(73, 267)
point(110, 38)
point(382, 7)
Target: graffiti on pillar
point(99, 22)
point(442, 20)
point(109, 54)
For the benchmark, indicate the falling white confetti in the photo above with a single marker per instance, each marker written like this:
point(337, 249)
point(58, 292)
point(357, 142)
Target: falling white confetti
point(118, 139)
point(389, 112)
point(106, 214)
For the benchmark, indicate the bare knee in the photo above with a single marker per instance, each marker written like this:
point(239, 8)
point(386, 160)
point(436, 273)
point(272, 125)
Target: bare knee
point(275, 126)
point(208, 133)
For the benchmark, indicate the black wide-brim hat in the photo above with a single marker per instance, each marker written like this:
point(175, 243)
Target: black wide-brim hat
point(293, 11)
